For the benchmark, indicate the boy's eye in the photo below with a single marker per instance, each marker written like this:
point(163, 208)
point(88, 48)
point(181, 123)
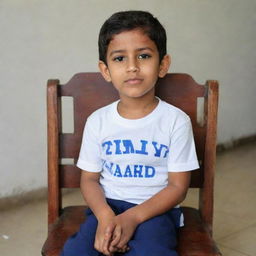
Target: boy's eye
point(119, 58)
point(144, 56)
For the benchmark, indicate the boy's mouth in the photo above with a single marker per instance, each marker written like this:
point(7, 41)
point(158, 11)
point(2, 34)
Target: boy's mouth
point(133, 81)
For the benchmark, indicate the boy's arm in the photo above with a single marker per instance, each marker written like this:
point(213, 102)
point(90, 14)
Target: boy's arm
point(167, 198)
point(95, 198)
point(93, 194)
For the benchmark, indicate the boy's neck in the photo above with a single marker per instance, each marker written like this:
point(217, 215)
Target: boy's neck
point(136, 108)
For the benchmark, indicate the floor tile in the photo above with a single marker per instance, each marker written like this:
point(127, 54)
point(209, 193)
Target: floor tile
point(230, 252)
point(224, 224)
point(26, 229)
point(243, 241)
point(235, 182)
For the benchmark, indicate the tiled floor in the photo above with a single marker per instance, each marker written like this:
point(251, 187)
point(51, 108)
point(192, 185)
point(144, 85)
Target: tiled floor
point(23, 229)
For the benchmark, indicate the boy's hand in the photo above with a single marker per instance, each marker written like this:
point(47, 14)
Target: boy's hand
point(107, 245)
point(125, 225)
point(104, 234)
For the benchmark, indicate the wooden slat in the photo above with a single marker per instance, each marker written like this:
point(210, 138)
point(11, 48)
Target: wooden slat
point(54, 202)
point(206, 194)
point(70, 145)
point(69, 176)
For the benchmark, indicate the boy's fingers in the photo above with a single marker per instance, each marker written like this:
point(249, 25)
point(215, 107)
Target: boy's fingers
point(124, 249)
point(105, 250)
point(116, 236)
point(110, 228)
point(105, 245)
point(109, 231)
point(107, 237)
point(122, 243)
point(115, 239)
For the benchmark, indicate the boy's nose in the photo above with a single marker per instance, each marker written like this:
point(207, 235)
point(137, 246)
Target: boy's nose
point(132, 66)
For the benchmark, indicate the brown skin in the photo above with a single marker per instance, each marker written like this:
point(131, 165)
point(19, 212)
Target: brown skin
point(133, 67)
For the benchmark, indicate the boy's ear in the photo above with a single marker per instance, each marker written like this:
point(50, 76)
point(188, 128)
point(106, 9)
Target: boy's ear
point(164, 66)
point(104, 71)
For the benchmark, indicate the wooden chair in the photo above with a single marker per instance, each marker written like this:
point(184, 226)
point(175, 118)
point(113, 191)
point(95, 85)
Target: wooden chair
point(90, 92)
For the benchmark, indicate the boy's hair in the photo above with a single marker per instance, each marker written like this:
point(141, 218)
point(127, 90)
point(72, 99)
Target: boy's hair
point(129, 20)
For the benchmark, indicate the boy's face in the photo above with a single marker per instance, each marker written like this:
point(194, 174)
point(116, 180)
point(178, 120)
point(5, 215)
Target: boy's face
point(133, 64)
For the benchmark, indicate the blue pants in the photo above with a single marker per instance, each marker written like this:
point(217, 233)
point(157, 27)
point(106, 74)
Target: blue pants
point(154, 237)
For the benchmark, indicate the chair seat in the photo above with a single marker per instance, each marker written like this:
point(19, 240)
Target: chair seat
point(194, 238)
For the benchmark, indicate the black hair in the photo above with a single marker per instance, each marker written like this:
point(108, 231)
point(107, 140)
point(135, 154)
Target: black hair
point(129, 20)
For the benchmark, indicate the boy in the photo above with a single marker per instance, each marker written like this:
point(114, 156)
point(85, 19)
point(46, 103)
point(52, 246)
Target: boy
point(136, 153)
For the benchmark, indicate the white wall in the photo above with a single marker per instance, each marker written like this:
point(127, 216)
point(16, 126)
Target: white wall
point(57, 38)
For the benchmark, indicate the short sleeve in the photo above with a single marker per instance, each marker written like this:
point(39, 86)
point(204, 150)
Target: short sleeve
point(182, 153)
point(90, 156)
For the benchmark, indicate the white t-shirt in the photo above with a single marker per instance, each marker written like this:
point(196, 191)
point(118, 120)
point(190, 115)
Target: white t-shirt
point(135, 156)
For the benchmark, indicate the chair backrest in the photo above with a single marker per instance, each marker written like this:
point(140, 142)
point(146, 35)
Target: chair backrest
point(90, 92)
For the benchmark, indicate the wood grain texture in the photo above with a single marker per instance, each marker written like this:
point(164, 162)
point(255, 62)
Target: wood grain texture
point(54, 197)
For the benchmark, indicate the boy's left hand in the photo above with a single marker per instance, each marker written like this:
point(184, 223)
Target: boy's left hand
point(123, 229)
